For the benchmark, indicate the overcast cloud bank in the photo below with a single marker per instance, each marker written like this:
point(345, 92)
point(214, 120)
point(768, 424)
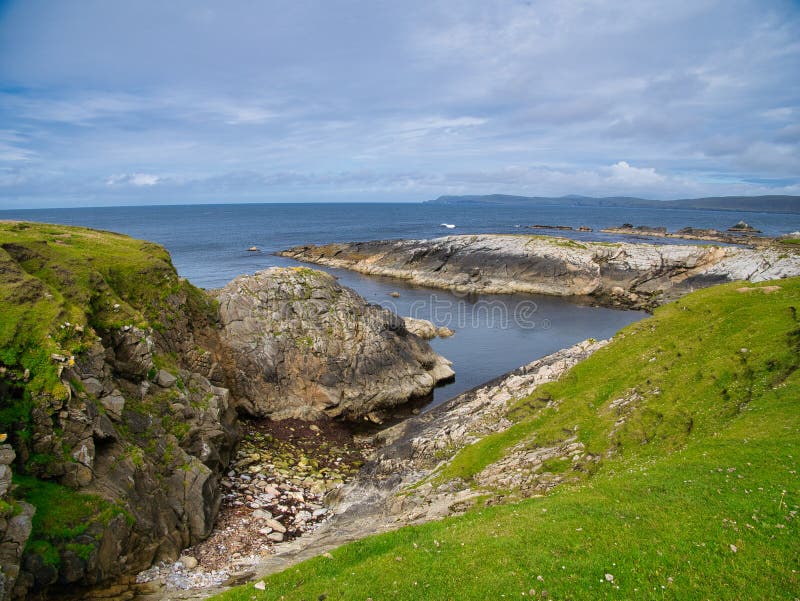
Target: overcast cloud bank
point(193, 101)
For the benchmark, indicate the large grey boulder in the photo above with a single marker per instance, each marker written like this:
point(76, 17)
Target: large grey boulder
point(304, 346)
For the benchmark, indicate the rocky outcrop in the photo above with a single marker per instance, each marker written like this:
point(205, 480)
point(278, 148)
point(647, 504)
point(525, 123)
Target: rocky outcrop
point(618, 274)
point(303, 346)
point(732, 236)
point(112, 403)
point(150, 448)
point(425, 329)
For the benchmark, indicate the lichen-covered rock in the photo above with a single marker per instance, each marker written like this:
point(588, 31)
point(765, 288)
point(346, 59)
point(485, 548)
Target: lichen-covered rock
point(304, 346)
point(631, 275)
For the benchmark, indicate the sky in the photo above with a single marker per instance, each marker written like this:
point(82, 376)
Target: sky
point(193, 101)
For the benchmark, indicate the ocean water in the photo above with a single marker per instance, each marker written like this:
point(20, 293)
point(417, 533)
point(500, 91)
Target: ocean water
point(494, 334)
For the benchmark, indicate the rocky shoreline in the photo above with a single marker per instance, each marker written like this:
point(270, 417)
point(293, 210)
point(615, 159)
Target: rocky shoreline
point(153, 383)
point(639, 276)
point(275, 493)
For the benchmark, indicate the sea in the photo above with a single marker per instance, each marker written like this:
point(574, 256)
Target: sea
point(493, 334)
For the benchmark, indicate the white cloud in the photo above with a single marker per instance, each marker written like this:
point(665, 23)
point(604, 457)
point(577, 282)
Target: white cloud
point(133, 179)
point(628, 176)
point(783, 113)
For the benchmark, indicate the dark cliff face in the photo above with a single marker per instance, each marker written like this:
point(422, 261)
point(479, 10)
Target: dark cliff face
point(113, 403)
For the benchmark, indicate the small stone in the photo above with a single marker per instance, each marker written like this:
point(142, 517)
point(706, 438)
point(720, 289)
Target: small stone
point(276, 525)
point(260, 585)
point(165, 379)
point(114, 404)
point(302, 516)
point(260, 514)
point(188, 562)
point(609, 577)
point(275, 537)
point(734, 548)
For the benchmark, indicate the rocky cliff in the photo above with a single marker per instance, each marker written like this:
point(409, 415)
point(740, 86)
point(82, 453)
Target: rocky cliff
point(619, 274)
point(304, 346)
point(112, 404)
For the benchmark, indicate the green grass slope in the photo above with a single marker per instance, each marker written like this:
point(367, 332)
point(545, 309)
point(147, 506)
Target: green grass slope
point(694, 416)
point(51, 275)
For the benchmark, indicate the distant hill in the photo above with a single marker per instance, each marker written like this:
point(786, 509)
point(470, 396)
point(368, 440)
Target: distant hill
point(766, 204)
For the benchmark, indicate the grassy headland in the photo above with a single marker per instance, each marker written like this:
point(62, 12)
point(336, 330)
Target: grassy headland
point(692, 421)
point(60, 282)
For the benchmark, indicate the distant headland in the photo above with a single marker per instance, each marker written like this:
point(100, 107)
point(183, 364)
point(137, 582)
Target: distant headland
point(765, 204)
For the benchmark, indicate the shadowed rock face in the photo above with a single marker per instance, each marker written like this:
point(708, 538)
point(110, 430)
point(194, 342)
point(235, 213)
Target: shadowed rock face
point(620, 274)
point(303, 346)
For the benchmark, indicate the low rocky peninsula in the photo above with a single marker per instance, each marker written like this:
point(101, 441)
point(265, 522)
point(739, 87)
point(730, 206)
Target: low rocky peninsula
point(740, 233)
point(620, 274)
